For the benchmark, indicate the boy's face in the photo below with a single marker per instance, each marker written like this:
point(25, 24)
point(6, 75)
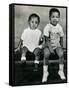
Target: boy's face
point(33, 23)
point(54, 18)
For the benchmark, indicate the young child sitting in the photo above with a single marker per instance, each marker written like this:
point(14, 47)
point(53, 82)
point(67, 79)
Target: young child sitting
point(30, 38)
point(53, 34)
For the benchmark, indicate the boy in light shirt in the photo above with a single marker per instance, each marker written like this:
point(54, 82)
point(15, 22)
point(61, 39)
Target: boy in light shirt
point(30, 39)
point(53, 34)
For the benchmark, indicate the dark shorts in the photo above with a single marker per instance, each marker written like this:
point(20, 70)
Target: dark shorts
point(31, 55)
point(58, 55)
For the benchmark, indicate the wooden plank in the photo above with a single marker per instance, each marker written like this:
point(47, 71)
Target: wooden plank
point(40, 62)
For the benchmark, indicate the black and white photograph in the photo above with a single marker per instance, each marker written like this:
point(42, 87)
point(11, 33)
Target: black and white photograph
point(38, 44)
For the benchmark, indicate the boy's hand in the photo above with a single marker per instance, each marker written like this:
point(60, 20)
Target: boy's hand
point(40, 46)
point(17, 49)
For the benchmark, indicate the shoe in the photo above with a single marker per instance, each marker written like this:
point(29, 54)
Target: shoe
point(23, 58)
point(61, 74)
point(36, 62)
point(45, 76)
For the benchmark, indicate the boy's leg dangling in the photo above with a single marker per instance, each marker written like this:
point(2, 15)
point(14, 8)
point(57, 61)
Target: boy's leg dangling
point(37, 56)
point(24, 52)
point(45, 73)
point(45, 65)
point(59, 52)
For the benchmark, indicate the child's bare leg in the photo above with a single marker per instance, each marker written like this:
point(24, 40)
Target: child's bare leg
point(37, 56)
point(24, 52)
point(59, 52)
point(45, 65)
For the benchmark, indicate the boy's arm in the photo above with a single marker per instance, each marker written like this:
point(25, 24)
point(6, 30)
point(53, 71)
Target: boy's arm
point(48, 44)
point(44, 42)
point(41, 41)
point(19, 45)
point(61, 33)
point(61, 41)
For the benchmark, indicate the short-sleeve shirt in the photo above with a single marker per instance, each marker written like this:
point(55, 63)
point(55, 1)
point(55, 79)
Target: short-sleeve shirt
point(54, 33)
point(31, 38)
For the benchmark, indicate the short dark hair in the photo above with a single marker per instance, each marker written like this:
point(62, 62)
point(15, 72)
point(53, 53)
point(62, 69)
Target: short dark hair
point(34, 15)
point(54, 10)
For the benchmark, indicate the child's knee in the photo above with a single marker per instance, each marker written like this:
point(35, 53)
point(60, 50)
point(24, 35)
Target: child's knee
point(24, 49)
point(60, 52)
point(36, 51)
point(46, 53)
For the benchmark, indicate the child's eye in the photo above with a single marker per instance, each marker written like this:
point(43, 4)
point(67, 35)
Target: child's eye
point(55, 17)
point(32, 22)
point(36, 22)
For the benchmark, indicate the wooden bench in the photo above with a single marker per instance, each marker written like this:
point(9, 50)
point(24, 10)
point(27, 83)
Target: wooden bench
point(25, 74)
point(18, 57)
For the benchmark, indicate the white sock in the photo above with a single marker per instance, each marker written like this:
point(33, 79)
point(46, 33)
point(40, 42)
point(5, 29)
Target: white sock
point(36, 61)
point(23, 58)
point(45, 68)
point(45, 73)
point(61, 67)
point(61, 71)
